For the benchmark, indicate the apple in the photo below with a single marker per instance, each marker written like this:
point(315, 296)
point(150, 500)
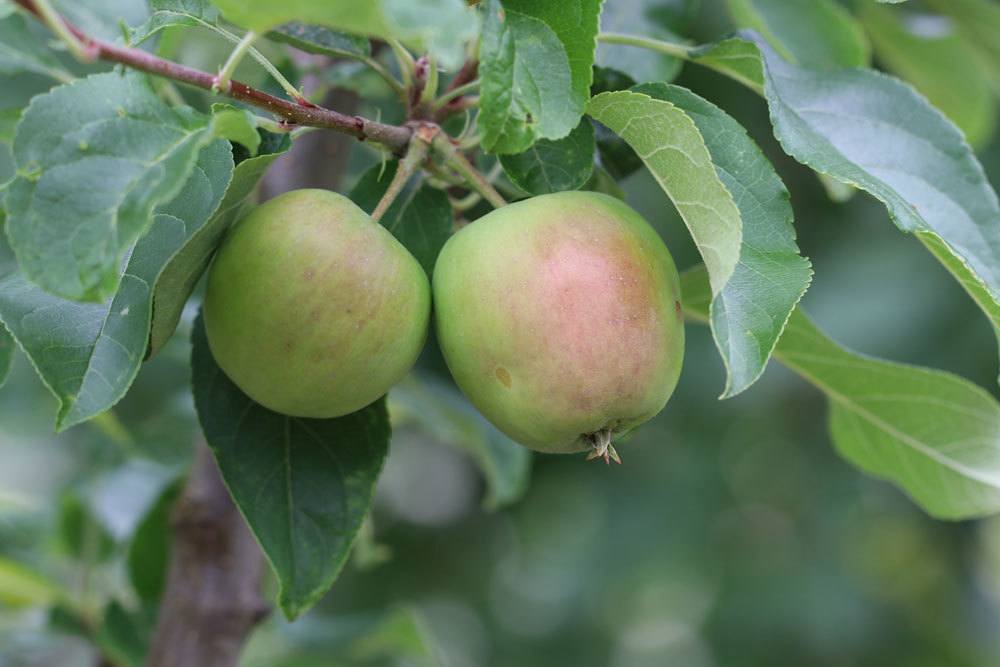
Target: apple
point(312, 308)
point(560, 318)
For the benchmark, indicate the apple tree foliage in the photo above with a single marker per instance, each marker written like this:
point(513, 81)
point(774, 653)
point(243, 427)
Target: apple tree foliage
point(125, 183)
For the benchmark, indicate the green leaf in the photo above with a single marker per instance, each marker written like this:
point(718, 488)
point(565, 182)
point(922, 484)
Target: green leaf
point(23, 587)
point(202, 236)
point(81, 535)
point(888, 142)
point(442, 411)
point(124, 635)
point(320, 40)
point(672, 148)
point(400, 635)
point(554, 165)
point(94, 159)
point(149, 551)
point(642, 17)
point(22, 51)
point(303, 485)
point(167, 13)
point(933, 434)
point(237, 125)
point(749, 313)
point(892, 144)
point(978, 23)
point(940, 65)
point(438, 26)
point(420, 218)
point(89, 354)
point(575, 23)
point(818, 34)
point(527, 91)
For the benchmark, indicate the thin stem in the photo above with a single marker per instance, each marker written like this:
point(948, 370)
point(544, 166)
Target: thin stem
point(222, 82)
point(669, 48)
point(394, 137)
point(431, 86)
point(405, 62)
point(456, 92)
point(453, 158)
point(381, 70)
point(285, 84)
point(408, 166)
point(50, 17)
point(466, 202)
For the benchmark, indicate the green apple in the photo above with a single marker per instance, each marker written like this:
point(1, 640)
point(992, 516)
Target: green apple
point(560, 318)
point(312, 308)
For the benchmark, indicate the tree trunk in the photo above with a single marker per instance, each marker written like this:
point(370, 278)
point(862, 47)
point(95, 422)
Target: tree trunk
point(212, 598)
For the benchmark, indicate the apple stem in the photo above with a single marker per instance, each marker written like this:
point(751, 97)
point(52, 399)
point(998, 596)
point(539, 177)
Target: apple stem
point(416, 153)
point(603, 449)
point(453, 158)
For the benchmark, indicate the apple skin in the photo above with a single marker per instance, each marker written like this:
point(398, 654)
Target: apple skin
point(560, 317)
point(312, 308)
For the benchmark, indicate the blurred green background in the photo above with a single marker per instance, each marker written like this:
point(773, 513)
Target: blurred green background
point(732, 534)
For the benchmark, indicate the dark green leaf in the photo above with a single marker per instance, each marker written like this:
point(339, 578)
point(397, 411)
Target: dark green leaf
point(81, 535)
point(149, 551)
point(575, 23)
point(933, 434)
point(818, 34)
point(554, 165)
point(124, 635)
point(8, 123)
point(750, 312)
point(527, 90)
point(320, 40)
point(420, 218)
point(303, 485)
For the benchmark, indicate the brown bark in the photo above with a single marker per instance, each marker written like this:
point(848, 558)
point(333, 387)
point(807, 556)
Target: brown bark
point(212, 597)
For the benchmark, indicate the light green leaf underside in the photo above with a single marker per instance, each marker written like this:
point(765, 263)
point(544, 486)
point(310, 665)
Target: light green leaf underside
point(672, 148)
point(88, 354)
point(440, 26)
point(933, 434)
point(813, 33)
point(750, 312)
point(888, 142)
point(304, 486)
point(94, 159)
